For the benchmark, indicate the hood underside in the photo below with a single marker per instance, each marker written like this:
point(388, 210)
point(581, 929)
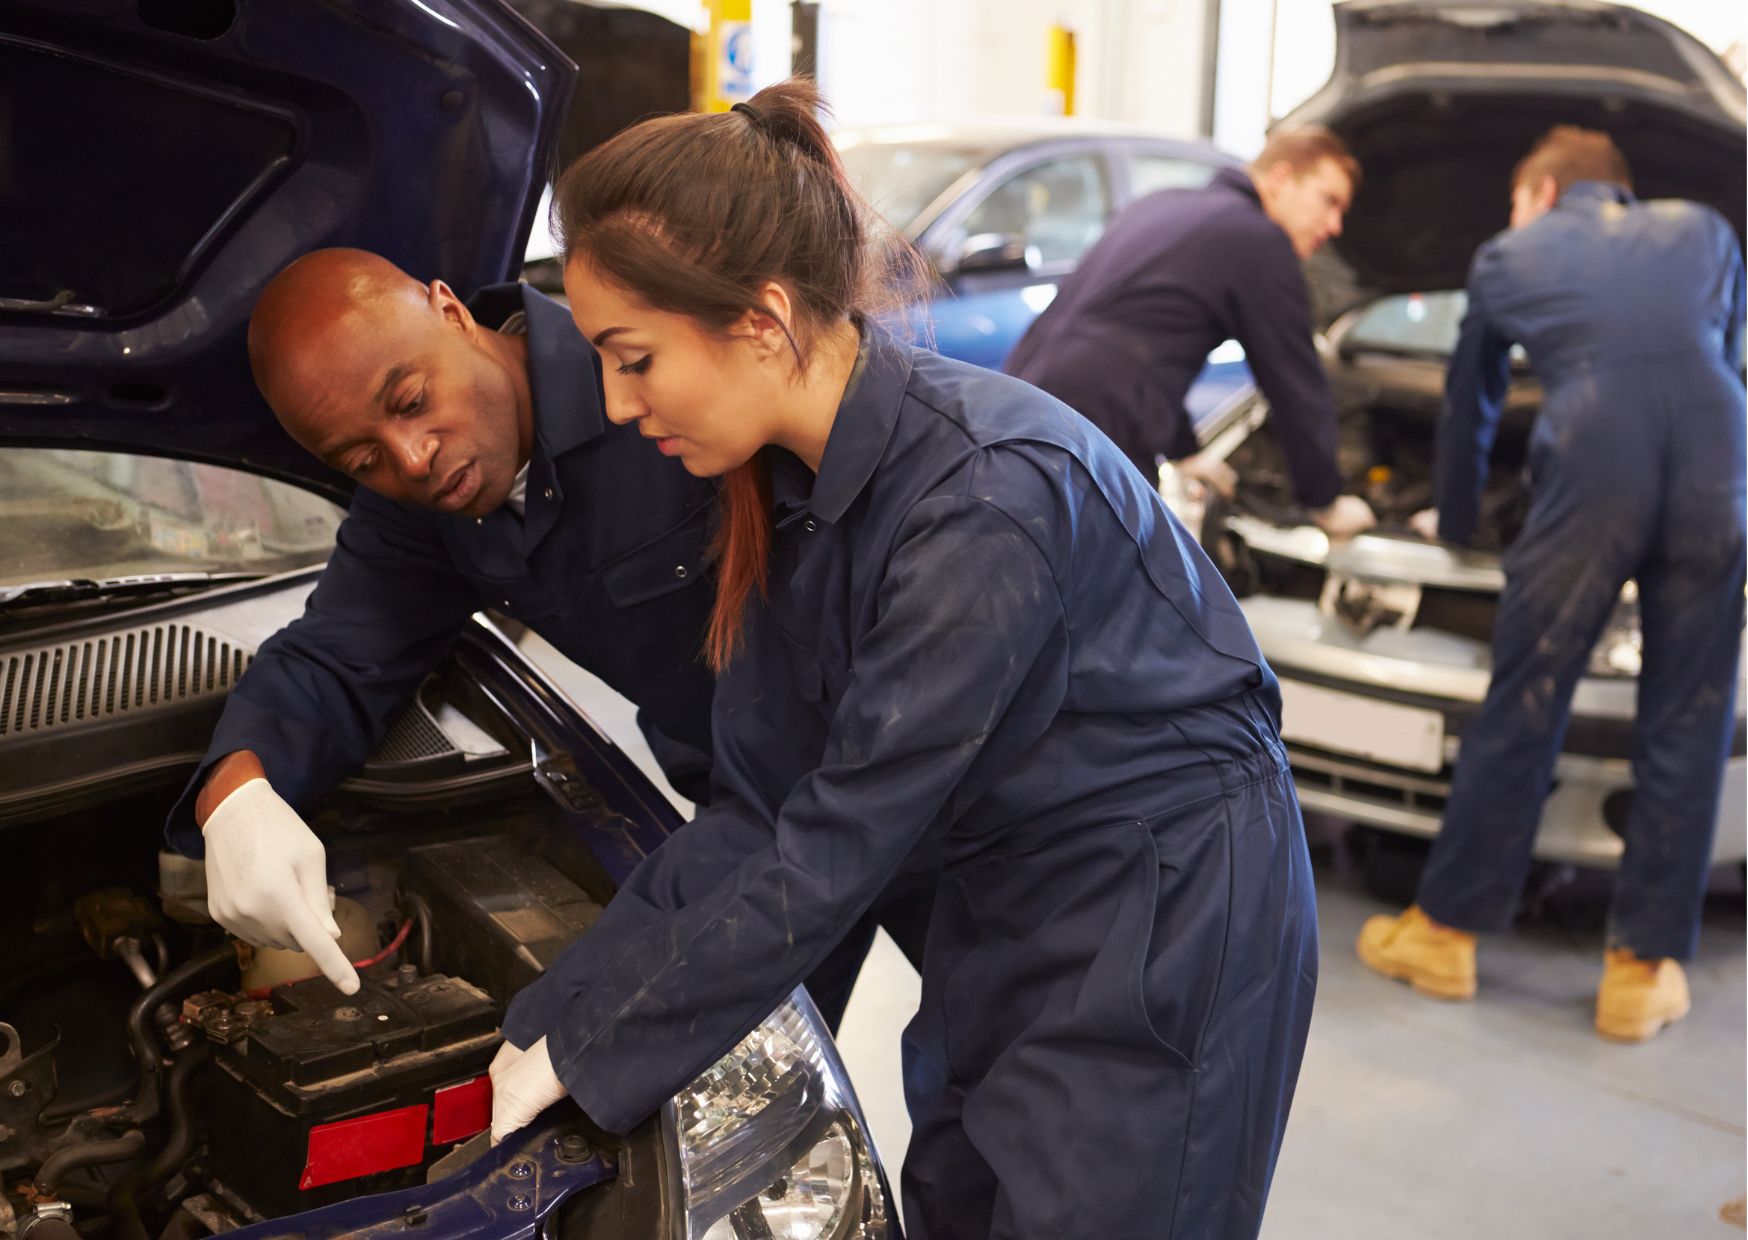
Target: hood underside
point(165, 158)
point(1439, 102)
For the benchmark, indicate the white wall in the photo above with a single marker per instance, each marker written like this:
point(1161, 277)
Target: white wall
point(1140, 61)
point(899, 61)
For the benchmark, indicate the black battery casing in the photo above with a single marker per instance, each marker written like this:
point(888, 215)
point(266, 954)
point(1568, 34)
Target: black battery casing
point(324, 1057)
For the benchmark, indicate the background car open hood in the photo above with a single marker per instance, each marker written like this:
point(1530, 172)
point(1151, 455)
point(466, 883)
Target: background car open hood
point(1440, 99)
point(160, 160)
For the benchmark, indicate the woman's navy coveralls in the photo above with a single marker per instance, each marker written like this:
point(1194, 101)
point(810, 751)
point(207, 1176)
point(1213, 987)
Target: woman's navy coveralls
point(1631, 314)
point(1025, 671)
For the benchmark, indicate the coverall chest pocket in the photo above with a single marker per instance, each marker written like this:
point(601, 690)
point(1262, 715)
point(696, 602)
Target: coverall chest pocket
point(671, 561)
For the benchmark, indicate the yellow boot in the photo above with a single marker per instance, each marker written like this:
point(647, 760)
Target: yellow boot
point(1638, 997)
point(1436, 960)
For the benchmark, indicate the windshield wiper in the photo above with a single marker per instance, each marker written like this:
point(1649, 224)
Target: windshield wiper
point(82, 589)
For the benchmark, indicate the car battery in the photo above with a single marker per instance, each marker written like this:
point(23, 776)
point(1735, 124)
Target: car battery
point(321, 1096)
point(505, 913)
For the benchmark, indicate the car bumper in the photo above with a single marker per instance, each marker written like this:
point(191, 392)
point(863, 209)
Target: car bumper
point(1431, 671)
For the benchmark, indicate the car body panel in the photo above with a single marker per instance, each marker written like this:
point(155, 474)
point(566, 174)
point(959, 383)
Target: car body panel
point(420, 131)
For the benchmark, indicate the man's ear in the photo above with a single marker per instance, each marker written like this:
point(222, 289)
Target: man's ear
point(1547, 193)
point(443, 300)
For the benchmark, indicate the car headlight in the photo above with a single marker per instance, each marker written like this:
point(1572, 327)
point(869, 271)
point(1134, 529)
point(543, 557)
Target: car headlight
point(1621, 650)
point(770, 1141)
point(1186, 498)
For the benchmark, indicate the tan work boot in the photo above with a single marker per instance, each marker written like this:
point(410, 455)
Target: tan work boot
point(1638, 997)
point(1436, 960)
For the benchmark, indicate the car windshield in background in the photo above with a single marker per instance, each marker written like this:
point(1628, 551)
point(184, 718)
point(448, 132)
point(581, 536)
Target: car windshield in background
point(1411, 323)
point(899, 181)
point(67, 514)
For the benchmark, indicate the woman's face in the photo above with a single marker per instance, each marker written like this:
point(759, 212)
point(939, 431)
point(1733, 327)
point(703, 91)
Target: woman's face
point(709, 401)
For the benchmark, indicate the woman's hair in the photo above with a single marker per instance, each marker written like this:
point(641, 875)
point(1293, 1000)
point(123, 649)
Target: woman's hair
point(693, 214)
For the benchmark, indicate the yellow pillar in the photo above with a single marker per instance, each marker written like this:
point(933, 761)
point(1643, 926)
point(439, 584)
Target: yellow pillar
point(723, 56)
point(1060, 71)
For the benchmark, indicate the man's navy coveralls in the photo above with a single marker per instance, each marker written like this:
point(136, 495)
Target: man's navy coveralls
point(1631, 314)
point(1032, 677)
point(1176, 274)
point(608, 563)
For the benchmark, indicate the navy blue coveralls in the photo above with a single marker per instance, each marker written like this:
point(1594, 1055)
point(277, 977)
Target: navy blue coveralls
point(1631, 314)
point(608, 563)
point(1177, 273)
point(1023, 670)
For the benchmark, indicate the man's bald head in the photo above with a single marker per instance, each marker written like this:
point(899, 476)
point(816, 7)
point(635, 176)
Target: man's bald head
point(335, 289)
point(392, 381)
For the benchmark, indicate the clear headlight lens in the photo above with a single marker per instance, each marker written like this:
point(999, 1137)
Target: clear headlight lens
point(1621, 650)
point(770, 1144)
point(1185, 497)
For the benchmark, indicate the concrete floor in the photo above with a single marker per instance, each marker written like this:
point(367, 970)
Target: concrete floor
point(1506, 1117)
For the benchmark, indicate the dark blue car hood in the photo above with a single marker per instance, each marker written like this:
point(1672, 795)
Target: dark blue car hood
point(160, 160)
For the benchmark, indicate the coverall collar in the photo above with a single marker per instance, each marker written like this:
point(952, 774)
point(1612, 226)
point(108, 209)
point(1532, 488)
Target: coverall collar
point(1580, 192)
point(563, 371)
point(859, 435)
point(1238, 179)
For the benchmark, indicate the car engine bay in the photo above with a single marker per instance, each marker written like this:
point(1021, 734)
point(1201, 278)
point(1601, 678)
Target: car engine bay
point(162, 1079)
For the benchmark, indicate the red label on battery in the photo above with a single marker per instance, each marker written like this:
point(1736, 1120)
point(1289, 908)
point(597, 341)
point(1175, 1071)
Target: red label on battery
point(353, 1147)
point(461, 1110)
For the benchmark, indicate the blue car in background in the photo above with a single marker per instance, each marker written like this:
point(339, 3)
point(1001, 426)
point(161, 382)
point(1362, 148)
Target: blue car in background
point(162, 162)
point(1003, 213)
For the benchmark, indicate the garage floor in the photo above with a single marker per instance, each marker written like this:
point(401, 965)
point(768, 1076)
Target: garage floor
point(1504, 1117)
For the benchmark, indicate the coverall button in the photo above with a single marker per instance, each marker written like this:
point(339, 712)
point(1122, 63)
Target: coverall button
point(809, 526)
point(547, 492)
point(679, 570)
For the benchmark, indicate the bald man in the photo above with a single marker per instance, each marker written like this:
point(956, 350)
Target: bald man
point(489, 478)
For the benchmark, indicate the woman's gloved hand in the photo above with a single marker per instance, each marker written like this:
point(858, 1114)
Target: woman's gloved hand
point(523, 1085)
point(267, 880)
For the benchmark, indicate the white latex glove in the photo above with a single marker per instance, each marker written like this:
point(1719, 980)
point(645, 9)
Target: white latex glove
point(1211, 472)
point(523, 1085)
point(1347, 516)
point(1425, 523)
point(267, 880)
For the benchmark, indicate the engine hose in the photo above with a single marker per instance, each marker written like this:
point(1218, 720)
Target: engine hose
point(67, 1108)
point(52, 1229)
point(139, 1018)
point(124, 1197)
point(87, 1154)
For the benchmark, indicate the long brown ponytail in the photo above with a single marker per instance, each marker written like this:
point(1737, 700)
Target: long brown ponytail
point(693, 214)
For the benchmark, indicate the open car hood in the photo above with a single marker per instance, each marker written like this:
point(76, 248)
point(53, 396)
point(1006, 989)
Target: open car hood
point(161, 160)
point(1439, 99)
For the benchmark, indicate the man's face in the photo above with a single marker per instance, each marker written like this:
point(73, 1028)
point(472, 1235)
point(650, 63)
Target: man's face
point(405, 395)
point(1307, 206)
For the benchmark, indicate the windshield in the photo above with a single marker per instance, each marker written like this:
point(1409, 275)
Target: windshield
point(67, 514)
point(1411, 323)
point(899, 181)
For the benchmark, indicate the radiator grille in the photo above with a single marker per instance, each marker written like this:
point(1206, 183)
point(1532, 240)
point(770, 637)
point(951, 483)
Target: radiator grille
point(99, 677)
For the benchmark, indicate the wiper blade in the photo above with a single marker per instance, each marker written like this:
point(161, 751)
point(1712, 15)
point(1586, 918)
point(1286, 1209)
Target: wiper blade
point(79, 589)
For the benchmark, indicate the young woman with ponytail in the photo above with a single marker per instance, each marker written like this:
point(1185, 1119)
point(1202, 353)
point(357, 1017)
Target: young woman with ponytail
point(954, 634)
